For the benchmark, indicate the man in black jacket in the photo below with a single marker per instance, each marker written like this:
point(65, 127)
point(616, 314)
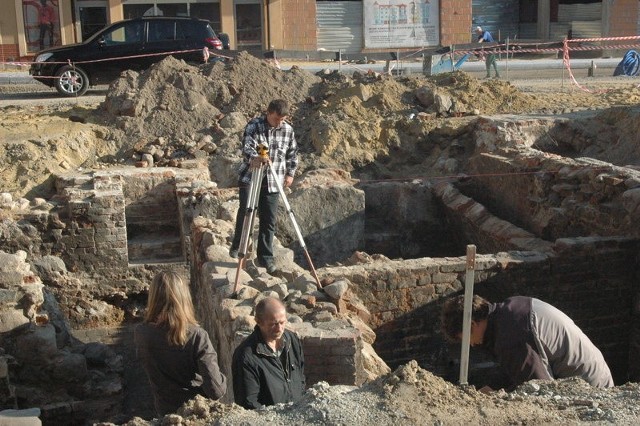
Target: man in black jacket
point(530, 338)
point(268, 366)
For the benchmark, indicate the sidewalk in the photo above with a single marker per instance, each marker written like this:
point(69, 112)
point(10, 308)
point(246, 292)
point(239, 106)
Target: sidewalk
point(22, 77)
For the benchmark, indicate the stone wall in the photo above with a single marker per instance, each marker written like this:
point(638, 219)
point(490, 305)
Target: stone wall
point(333, 346)
point(588, 278)
point(546, 194)
point(40, 365)
point(468, 220)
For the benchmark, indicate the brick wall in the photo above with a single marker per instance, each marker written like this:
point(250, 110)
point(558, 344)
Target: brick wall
point(333, 350)
point(9, 52)
point(95, 237)
point(468, 220)
point(455, 22)
point(299, 25)
point(588, 278)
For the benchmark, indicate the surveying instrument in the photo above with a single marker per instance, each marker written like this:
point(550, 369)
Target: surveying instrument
point(257, 175)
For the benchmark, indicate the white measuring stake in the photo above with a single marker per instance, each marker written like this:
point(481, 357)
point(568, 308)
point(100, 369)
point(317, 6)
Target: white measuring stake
point(466, 318)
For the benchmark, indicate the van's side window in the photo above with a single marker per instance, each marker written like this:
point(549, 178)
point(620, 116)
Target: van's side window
point(161, 30)
point(131, 32)
point(185, 31)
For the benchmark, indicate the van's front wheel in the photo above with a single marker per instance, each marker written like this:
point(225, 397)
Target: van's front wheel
point(71, 81)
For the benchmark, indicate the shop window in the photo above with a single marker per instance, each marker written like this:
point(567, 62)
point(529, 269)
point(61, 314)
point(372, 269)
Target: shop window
point(248, 25)
point(41, 24)
point(209, 11)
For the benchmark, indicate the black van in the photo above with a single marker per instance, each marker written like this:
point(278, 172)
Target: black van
point(132, 44)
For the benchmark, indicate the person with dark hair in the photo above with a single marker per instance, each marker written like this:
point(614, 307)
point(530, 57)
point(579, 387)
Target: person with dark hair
point(530, 339)
point(176, 353)
point(268, 366)
point(490, 59)
point(270, 130)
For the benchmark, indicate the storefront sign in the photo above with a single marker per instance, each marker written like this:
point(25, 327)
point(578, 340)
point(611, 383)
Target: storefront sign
point(401, 23)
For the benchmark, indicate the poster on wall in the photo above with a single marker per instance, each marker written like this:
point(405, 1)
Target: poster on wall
point(41, 24)
point(401, 23)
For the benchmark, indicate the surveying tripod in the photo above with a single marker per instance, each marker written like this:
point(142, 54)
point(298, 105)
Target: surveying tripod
point(252, 207)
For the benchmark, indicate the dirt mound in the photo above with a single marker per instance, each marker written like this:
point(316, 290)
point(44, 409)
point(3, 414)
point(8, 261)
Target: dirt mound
point(180, 103)
point(411, 395)
point(371, 125)
point(36, 143)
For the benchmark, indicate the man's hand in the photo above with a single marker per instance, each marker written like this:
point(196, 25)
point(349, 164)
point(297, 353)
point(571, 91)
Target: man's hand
point(288, 180)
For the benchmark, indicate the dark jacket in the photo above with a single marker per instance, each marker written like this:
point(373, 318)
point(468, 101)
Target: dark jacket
point(177, 374)
point(534, 340)
point(262, 378)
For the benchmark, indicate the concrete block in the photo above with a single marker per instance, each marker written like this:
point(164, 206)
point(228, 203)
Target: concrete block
point(26, 417)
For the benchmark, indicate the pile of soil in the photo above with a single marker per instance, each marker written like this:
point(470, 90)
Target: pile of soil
point(411, 395)
point(369, 124)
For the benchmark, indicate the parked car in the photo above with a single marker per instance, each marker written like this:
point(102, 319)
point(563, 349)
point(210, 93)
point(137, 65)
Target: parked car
point(131, 44)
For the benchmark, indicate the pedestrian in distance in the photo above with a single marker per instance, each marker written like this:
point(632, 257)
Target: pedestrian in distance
point(176, 353)
point(490, 59)
point(268, 366)
point(530, 339)
point(46, 22)
point(270, 130)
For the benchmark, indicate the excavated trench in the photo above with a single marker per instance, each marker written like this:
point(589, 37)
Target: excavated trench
point(541, 208)
point(550, 209)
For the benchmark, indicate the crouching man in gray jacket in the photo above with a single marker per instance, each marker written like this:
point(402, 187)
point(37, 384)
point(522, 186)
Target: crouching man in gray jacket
point(268, 366)
point(530, 338)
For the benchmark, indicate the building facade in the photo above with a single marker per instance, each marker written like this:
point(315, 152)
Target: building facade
point(28, 26)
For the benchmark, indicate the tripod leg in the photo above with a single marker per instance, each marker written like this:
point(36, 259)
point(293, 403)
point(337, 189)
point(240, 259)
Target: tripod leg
point(252, 207)
point(294, 223)
point(249, 218)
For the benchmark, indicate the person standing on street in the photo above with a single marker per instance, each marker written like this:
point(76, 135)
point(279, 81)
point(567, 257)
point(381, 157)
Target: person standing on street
point(530, 339)
point(176, 353)
point(490, 59)
point(268, 366)
point(270, 130)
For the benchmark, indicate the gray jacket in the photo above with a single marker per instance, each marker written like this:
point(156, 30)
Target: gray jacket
point(177, 374)
point(534, 340)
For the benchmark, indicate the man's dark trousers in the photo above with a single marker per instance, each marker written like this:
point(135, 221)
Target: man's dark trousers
point(267, 210)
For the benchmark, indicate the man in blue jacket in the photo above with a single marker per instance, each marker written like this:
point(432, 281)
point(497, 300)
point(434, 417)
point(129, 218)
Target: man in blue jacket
point(268, 366)
point(490, 59)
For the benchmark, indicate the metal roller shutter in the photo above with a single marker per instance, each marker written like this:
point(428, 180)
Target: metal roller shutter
point(501, 18)
point(339, 26)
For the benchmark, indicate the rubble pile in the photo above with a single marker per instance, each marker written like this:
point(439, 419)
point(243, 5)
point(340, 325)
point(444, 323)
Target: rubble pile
point(175, 111)
point(42, 365)
point(411, 395)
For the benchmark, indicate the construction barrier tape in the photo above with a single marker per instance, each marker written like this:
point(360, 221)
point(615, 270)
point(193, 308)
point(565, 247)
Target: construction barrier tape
point(495, 49)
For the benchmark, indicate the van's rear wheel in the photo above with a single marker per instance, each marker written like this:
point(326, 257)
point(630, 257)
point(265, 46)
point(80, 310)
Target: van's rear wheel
point(71, 81)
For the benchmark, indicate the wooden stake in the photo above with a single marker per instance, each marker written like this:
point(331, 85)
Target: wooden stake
point(466, 319)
